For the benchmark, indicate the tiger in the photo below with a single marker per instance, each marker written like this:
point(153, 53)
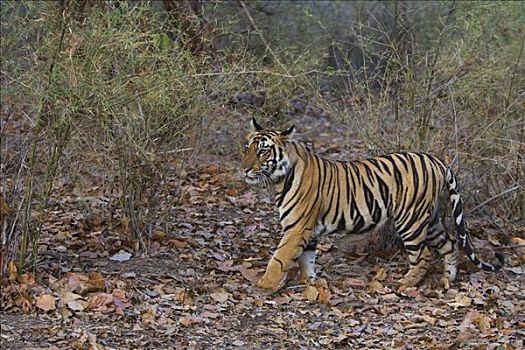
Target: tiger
point(317, 196)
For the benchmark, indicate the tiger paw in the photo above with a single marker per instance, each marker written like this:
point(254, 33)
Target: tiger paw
point(445, 282)
point(271, 284)
point(268, 284)
point(307, 280)
point(407, 281)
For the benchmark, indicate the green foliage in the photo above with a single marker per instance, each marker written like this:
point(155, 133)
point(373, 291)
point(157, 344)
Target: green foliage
point(118, 92)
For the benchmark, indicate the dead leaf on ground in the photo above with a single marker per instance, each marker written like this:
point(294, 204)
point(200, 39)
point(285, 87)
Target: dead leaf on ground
point(251, 275)
point(318, 291)
point(121, 256)
point(220, 295)
point(520, 242)
point(26, 278)
point(185, 297)
point(100, 301)
point(177, 243)
point(46, 302)
point(477, 319)
point(209, 315)
point(376, 287)
point(12, 271)
point(23, 302)
point(356, 283)
point(83, 285)
point(120, 298)
point(86, 340)
point(461, 300)
point(188, 321)
point(4, 208)
point(158, 235)
point(483, 322)
point(77, 305)
point(73, 281)
point(311, 293)
point(148, 316)
point(380, 274)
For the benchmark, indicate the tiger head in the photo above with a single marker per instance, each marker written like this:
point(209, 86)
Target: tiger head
point(265, 159)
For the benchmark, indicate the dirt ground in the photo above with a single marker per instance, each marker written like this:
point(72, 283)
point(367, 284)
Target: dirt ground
point(195, 290)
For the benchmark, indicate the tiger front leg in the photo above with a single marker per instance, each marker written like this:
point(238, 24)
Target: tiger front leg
point(290, 249)
point(274, 277)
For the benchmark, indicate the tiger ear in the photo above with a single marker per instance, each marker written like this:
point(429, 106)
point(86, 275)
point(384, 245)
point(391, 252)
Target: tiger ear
point(256, 125)
point(288, 131)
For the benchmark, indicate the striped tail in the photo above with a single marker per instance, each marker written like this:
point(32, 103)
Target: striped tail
point(459, 220)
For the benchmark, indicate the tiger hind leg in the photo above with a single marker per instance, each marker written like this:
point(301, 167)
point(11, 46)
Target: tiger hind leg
point(307, 263)
point(414, 240)
point(446, 246)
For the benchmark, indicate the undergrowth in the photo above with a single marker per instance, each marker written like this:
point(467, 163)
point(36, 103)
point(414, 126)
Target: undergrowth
point(123, 95)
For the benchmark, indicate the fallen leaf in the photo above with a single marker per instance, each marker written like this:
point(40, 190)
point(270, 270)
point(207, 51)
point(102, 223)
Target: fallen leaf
point(483, 322)
point(212, 169)
point(324, 247)
point(121, 256)
point(466, 335)
point(188, 321)
point(74, 282)
point(356, 283)
point(46, 302)
point(76, 305)
point(129, 275)
point(461, 301)
point(119, 294)
point(390, 298)
point(152, 293)
point(324, 291)
point(83, 285)
point(12, 271)
point(520, 242)
point(185, 297)
point(148, 316)
point(158, 235)
point(177, 243)
point(238, 343)
point(380, 274)
point(251, 275)
point(208, 314)
point(120, 299)
point(412, 292)
point(376, 287)
point(225, 266)
point(428, 319)
point(4, 208)
point(68, 296)
point(24, 303)
point(311, 293)
point(220, 296)
point(100, 301)
point(26, 278)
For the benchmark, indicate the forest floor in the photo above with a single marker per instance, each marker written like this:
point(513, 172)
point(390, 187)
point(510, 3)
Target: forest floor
point(196, 287)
